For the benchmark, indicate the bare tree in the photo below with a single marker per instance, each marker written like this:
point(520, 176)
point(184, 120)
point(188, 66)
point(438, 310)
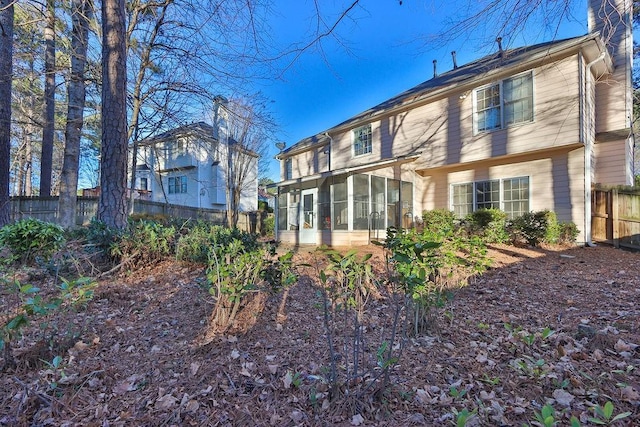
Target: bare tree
point(81, 14)
point(6, 53)
point(46, 157)
point(246, 129)
point(112, 206)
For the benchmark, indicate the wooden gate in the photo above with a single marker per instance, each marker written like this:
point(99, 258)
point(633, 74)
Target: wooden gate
point(615, 216)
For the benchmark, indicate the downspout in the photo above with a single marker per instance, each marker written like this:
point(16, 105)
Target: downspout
point(588, 148)
point(329, 151)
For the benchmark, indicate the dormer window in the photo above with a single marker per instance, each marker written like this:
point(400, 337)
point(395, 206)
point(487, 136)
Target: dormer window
point(503, 104)
point(362, 140)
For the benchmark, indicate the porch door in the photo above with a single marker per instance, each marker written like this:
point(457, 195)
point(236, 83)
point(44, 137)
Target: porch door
point(308, 217)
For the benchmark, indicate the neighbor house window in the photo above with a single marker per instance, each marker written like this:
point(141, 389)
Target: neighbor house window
point(181, 146)
point(362, 140)
point(144, 184)
point(177, 185)
point(505, 103)
point(509, 195)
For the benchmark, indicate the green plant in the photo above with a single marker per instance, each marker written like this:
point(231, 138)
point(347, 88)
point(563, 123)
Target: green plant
point(603, 415)
point(280, 273)
point(489, 224)
point(269, 225)
point(567, 232)
point(530, 367)
point(144, 242)
point(546, 417)
point(425, 265)
point(536, 227)
point(346, 285)
point(27, 304)
point(441, 220)
point(233, 274)
point(30, 238)
point(463, 417)
point(492, 381)
point(457, 393)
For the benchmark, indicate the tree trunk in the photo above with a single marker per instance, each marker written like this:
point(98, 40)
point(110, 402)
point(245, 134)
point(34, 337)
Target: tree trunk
point(112, 206)
point(46, 158)
point(80, 17)
point(6, 53)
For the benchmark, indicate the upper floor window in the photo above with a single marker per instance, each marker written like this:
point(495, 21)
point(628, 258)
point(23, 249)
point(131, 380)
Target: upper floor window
point(288, 168)
point(144, 184)
point(505, 103)
point(362, 140)
point(181, 146)
point(177, 184)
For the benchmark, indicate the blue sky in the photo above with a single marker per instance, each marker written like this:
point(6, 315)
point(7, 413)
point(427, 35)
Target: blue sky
point(378, 52)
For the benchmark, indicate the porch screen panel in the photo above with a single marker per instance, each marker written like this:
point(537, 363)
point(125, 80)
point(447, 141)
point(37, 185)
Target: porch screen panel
point(282, 211)
point(361, 202)
point(324, 206)
point(340, 204)
point(393, 202)
point(294, 206)
point(377, 203)
point(406, 198)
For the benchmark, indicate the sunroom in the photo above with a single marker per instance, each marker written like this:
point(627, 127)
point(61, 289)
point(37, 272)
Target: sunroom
point(343, 209)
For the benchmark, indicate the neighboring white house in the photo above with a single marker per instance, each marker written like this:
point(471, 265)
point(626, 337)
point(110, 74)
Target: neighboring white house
point(523, 129)
point(190, 166)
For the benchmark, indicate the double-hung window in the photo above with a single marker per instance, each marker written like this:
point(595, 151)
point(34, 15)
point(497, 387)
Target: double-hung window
point(177, 184)
point(510, 195)
point(505, 103)
point(288, 168)
point(362, 140)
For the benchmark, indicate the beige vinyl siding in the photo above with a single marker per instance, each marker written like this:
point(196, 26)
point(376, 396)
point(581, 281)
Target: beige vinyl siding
point(611, 163)
point(302, 164)
point(443, 129)
point(556, 182)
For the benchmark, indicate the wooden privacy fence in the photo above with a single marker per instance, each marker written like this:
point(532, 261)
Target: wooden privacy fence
point(46, 209)
point(616, 216)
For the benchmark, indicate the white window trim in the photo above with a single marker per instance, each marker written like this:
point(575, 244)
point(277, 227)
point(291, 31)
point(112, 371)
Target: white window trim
point(353, 141)
point(474, 114)
point(501, 182)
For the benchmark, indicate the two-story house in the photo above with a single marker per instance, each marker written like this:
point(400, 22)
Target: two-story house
point(191, 166)
point(523, 129)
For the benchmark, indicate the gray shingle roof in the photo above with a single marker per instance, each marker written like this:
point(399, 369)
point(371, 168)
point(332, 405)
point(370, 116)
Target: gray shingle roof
point(456, 77)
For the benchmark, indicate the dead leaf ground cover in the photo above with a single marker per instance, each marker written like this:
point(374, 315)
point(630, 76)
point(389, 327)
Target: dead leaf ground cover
point(138, 359)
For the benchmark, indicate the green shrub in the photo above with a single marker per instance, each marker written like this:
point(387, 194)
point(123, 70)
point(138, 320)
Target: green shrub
point(489, 224)
point(536, 227)
point(567, 232)
point(428, 264)
point(31, 238)
point(198, 243)
point(269, 226)
point(438, 220)
point(144, 242)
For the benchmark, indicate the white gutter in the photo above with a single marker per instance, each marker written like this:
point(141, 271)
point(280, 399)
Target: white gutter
point(588, 149)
